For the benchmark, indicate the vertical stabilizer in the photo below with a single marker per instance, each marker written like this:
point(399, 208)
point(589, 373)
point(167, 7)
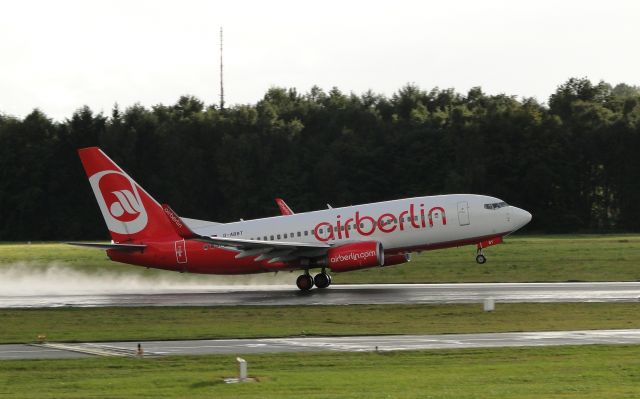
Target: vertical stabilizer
point(130, 213)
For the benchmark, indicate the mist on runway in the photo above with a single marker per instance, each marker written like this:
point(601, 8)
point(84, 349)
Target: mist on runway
point(28, 278)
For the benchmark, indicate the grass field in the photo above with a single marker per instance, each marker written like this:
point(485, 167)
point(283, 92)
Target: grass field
point(103, 324)
point(520, 259)
point(548, 372)
point(541, 372)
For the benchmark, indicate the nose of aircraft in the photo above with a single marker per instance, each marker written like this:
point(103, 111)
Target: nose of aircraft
point(519, 217)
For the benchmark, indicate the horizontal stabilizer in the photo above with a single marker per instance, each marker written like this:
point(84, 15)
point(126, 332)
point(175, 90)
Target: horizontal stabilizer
point(119, 247)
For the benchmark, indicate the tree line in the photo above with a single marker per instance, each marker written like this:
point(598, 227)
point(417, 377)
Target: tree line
point(572, 162)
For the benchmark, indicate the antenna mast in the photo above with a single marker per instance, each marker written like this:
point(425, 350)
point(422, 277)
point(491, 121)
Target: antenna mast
point(221, 74)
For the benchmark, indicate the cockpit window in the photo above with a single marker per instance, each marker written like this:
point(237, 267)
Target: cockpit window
point(495, 205)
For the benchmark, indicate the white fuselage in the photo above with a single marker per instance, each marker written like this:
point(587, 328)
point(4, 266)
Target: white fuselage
point(404, 224)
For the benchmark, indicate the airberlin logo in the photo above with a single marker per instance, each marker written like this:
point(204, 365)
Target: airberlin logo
point(387, 223)
point(353, 256)
point(119, 202)
point(126, 203)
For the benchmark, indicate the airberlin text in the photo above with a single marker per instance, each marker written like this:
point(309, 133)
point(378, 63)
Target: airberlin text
point(386, 223)
point(174, 218)
point(353, 256)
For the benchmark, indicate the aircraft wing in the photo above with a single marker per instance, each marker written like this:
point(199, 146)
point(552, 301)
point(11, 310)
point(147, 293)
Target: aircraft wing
point(272, 251)
point(242, 243)
point(284, 208)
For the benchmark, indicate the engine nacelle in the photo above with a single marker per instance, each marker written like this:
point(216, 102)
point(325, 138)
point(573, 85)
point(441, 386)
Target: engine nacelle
point(358, 255)
point(396, 259)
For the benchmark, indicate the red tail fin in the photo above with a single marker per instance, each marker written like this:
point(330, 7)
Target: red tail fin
point(130, 213)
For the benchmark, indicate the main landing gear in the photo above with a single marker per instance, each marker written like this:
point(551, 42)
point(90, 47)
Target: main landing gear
point(322, 280)
point(305, 282)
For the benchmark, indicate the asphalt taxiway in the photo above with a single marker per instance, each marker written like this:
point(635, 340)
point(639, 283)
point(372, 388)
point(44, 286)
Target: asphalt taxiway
point(315, 344)
point(342, 295)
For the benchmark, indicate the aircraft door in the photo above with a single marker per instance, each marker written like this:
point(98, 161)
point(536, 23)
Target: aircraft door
point(463, 213)
point(181, 251)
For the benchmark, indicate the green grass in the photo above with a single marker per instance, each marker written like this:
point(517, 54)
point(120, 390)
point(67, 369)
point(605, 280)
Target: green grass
point(104, 324)
point(514, 373)
point(520, 259)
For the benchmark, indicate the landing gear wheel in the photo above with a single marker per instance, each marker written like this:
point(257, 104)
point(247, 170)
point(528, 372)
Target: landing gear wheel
point(304, 282)
point(322, 280)
point(481, 259)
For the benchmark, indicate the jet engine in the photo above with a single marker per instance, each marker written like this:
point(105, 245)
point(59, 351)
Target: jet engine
point(354, 256)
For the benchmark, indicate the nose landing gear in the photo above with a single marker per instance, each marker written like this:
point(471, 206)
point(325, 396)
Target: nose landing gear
point(480, 258)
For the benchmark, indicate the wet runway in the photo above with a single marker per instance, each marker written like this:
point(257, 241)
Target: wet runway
point(342, 295)
point(315, 344)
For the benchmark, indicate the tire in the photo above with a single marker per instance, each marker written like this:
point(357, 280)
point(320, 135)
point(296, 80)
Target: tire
point(322, 280)
point(304, 282)
point(481, 259)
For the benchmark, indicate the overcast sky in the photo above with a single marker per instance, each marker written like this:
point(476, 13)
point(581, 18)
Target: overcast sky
point(61, 55)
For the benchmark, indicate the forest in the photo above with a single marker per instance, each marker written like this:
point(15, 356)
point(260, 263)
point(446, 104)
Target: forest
point(572, 161)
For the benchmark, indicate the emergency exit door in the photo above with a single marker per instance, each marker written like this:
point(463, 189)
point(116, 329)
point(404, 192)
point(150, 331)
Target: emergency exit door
point(463, 213)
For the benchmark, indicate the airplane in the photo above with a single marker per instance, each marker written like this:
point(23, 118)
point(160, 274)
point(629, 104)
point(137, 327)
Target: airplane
point(147, 233)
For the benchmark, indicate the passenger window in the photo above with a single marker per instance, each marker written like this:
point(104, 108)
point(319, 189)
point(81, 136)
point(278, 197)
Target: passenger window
point(271, 238)
point(320, 231)
point(306, 233)
point(362, 225)
point(265, 238)
point(285, 235)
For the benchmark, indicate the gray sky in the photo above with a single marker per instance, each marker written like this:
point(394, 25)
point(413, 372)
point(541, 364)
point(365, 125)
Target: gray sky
point(60, 55)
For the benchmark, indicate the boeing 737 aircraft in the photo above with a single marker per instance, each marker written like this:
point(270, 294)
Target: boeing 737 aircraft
point(149, 234)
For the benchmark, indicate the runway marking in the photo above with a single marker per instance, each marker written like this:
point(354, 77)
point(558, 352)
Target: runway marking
point(349, 344)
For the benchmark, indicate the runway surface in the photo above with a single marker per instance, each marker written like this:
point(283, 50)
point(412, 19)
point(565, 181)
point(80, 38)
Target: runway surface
point(343, 295)
point(339, 344)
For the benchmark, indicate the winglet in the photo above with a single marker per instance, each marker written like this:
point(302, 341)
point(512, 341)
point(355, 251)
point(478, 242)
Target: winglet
point(284, 208)
point(180, 227)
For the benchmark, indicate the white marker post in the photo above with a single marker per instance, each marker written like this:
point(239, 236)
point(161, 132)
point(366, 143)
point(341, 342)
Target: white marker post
point(489, 305)
point(242, 369)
